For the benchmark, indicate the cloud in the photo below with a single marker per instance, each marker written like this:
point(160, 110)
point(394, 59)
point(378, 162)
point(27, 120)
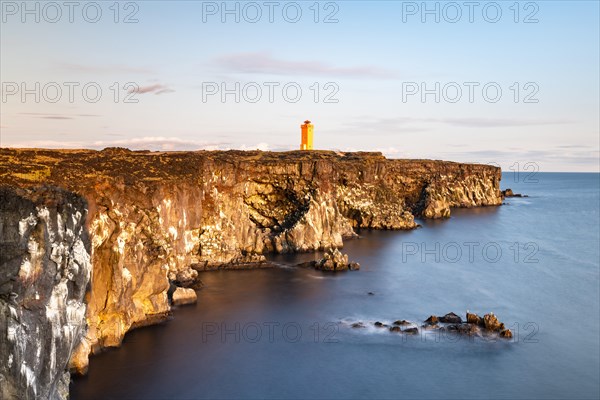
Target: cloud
point(157, 88)
point(104, 69)
point(264, 63)
point(57, 116)
point(410, 124)
point(161, 143)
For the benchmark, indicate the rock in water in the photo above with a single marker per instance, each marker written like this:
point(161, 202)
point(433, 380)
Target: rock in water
point(450, 318)
point(182, 296)
point(432, 320)
point(334, 260)
point(507, 334)
point(475, 319)
point(491, 323)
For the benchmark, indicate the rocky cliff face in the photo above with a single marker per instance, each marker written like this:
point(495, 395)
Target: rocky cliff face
point(157, 218)
point(44, 271)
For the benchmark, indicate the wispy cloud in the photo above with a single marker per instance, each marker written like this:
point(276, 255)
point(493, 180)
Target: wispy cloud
point(265, 63)
point(156, 88)
point(57, 116)
point(155, 143)
point(104, 69)
point(410, 124)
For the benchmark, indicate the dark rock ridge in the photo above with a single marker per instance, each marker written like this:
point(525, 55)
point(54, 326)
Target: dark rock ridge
point(487, 326)
point(154, 217)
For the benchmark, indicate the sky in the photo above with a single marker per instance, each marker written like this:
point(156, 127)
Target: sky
point(514, 84)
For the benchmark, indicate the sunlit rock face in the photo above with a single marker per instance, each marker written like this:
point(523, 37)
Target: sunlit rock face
point(156, 218)
point(44, 270)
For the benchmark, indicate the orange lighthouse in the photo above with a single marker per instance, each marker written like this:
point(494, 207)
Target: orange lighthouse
point(307, 135)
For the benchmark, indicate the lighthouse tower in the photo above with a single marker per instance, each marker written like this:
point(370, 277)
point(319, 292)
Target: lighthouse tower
point(307, 135)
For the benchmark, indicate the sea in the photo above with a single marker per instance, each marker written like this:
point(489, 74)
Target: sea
point(286, 332)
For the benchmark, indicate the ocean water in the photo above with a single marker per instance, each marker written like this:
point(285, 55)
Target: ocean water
point(285, 332)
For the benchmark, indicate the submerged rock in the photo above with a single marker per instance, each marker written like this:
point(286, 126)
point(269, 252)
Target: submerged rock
point(182, 296)
point(506, 333)
point(358, 325)
point(401, 322)
point(411, 331)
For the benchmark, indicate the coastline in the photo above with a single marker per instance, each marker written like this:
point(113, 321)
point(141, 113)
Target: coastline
point(152, 219)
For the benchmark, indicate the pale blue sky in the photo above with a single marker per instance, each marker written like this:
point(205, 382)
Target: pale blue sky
point(370, 54)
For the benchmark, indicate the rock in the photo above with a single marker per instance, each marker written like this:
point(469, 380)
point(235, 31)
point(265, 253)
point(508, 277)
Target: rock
point(467, 329)
point(358, 325)
point(401, 322)
point(474, 319)
point(432, 320)
point(491, 323)
point(509, 193)
point(506, 333)
point(395, 329)
point(186, 278)
point(44, 273)
point(371, 294)
point(380, 325)
point(411, 331)
point(334, 260)
point(182, 296)
point(450, 318)
point(430, 327)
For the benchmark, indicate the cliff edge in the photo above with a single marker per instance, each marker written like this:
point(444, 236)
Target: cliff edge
point(140, 221)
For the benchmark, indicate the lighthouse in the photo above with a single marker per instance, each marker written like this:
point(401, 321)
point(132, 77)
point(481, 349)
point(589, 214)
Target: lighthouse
point(306, 130)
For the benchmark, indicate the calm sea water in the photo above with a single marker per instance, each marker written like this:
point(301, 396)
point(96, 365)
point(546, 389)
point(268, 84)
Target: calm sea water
point(284, 332)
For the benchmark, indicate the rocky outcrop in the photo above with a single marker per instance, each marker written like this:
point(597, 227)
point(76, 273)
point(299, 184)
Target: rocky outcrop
point(510, 193)
point(183, 296)
point(487, 326)
point(155, 218)
point(333, 260)
point(44, 271)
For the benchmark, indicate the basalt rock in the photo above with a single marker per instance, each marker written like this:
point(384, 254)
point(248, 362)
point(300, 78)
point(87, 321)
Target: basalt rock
point(154, 217)
point(450, 318)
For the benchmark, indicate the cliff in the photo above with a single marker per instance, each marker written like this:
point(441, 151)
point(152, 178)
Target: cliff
point(156, 218)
